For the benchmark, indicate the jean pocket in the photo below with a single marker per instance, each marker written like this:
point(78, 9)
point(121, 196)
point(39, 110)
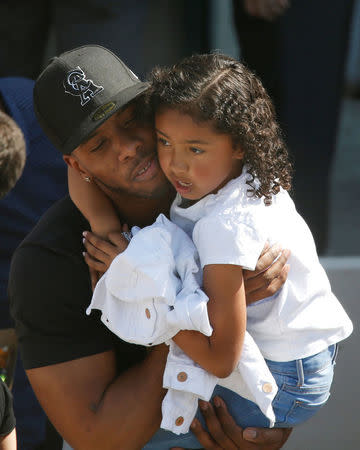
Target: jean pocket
point(302, 411)
point(295, 406)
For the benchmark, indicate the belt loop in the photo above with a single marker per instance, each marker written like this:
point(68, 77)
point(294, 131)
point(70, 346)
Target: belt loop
point(300, 372)
point(336, 349)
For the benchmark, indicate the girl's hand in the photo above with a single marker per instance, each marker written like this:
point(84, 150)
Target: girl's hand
point(100, 252)
point(266, 9)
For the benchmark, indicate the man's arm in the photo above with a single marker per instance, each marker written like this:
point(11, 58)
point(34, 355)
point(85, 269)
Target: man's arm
point(269, 275)
point(93, 409)
point(70, 357)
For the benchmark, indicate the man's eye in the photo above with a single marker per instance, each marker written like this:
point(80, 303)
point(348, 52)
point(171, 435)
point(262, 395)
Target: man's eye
point(163, 142)
point(98, 147)
point(196, 150)
point(130, 122)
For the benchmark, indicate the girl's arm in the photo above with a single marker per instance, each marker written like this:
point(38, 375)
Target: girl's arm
point(93, 204)
point(219, 353)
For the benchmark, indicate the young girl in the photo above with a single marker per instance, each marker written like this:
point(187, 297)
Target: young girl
point(220, 147)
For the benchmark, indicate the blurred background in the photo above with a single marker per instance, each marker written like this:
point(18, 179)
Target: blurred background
point(307, 54)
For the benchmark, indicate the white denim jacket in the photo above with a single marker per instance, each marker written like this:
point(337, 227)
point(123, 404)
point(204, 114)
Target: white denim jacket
point(150, 292)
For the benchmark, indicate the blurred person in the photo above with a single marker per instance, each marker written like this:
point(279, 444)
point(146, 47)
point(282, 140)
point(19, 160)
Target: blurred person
point(97, 390)
point(7, 419)
point(352, 87)
point(12, 161)
point(298, 49)
point(12, 153)
point(25, 27)
point(42, 183)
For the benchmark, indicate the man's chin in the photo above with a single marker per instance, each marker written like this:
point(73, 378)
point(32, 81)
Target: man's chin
point(165, 189)
point(159, 189)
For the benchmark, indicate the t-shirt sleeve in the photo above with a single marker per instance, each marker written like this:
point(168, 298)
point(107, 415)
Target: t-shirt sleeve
point(7, 417)
point(49, 293)
point(228, 240)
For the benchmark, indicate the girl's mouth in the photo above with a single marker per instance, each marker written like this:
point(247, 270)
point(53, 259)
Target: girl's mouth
point(182, 187)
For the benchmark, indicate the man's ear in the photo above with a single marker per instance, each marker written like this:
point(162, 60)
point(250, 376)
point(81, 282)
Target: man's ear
point(70, 161)
point(73, 163)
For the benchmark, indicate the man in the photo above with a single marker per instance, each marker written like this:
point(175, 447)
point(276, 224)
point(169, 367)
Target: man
point(43, 182)
point(97, 390)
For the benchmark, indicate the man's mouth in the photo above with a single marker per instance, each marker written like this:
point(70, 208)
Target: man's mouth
point(144, 169)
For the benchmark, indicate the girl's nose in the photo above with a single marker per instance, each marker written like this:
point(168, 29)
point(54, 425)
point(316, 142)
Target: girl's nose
point(178, 164)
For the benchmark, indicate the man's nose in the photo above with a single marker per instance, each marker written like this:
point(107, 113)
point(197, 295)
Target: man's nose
point(127, 147)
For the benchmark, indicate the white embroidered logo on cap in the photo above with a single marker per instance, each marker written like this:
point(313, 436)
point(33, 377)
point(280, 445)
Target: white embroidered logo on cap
point(76, 84)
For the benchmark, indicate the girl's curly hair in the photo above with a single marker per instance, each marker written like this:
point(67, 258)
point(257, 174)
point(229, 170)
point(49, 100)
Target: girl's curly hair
point(218, 89)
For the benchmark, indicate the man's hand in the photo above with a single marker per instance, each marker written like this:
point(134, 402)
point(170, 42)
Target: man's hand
point(224, 434)
point(266, 9)
point(269, 275)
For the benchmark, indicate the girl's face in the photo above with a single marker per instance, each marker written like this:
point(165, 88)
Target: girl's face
point(195, 159)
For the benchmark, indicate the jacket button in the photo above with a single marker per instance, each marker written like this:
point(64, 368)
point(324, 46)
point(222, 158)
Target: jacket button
point(147, 312)
point(179, 421)
point(267, 388)
point(182, 376)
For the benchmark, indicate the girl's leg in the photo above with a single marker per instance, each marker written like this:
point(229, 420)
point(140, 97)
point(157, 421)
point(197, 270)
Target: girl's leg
point(245, 413)
point(304, 386)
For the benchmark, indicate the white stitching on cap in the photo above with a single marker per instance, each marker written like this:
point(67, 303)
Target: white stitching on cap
point(77, 84)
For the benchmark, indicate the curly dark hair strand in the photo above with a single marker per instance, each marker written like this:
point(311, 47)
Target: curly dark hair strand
point(218, 89)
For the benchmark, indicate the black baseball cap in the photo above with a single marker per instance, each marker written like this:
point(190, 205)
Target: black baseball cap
point(80, 90)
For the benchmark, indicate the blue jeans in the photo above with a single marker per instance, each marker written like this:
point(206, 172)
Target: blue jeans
point(304, 386)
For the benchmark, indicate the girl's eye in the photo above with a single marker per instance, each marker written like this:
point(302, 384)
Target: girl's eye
point(197, 151)
point(98, 147)
point(163, 141)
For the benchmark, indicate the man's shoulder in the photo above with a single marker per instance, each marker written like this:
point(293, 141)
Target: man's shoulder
point(58, 229)
point(50, 258)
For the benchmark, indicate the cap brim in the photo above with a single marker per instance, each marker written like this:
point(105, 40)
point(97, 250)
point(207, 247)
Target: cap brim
point(90, 124)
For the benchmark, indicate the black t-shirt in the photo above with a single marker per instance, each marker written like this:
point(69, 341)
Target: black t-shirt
point(7, 418)
point(49, 291)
